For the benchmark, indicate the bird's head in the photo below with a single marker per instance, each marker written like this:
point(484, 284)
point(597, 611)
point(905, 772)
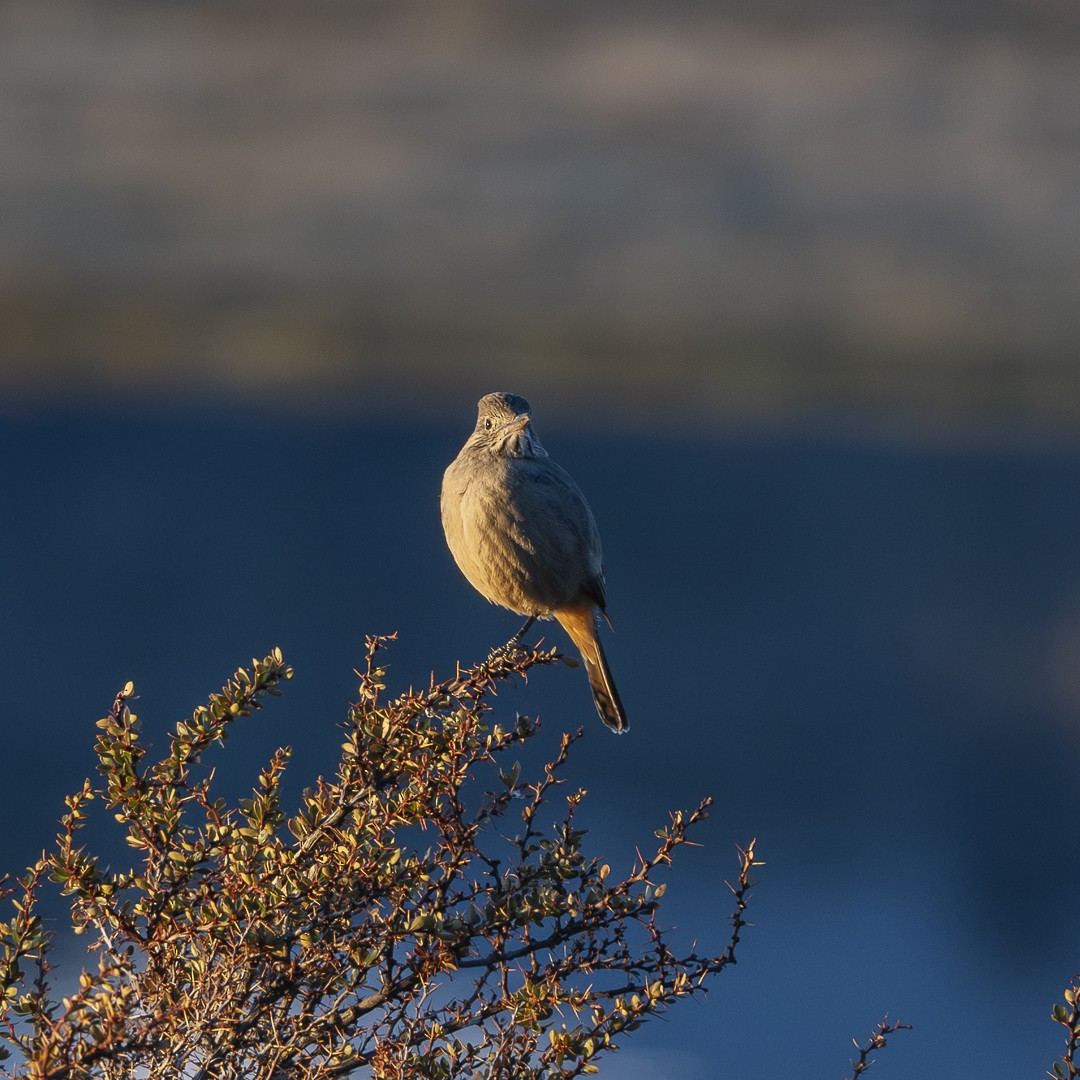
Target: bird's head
point(504, 427)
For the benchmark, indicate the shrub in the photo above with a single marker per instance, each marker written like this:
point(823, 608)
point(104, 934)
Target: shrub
point(428, 912)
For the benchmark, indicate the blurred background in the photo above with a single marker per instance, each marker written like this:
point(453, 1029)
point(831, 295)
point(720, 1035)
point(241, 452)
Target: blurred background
point(794, 294)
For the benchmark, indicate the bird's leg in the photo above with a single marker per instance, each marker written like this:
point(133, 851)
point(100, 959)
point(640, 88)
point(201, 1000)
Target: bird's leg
point(502, 649)
point(522, 632)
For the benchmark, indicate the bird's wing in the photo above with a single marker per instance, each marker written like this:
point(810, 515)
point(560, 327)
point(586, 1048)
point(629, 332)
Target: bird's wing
point(552, 525)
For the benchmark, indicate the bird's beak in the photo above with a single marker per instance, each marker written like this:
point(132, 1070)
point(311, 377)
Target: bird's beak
point(519, 423)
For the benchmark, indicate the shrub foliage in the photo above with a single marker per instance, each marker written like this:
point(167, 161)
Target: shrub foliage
point(427, 912)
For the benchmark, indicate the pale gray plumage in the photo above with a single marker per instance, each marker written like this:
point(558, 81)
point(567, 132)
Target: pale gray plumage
point(523, 535)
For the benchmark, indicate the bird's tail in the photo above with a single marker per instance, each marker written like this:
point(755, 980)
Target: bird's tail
point(580, 624)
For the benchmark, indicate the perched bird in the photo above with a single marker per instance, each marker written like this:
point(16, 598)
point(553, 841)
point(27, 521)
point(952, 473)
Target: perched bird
point(523, 535)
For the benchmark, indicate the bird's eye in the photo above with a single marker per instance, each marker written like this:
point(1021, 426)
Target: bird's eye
point(488, 423)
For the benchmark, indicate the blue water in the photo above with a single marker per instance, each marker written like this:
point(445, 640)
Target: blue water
point(867, 652)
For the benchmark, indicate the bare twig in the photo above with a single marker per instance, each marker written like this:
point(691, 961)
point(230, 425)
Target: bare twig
point(877, 1041)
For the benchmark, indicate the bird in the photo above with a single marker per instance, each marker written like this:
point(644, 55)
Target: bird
point(523, 535)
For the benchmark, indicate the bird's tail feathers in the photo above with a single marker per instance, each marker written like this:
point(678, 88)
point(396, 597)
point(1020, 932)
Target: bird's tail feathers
point(580, 624)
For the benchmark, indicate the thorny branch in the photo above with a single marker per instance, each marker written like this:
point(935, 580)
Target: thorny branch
point(877, 1041)
point(406, 926)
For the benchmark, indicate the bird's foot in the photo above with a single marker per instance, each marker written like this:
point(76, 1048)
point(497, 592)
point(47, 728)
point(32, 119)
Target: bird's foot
point(512, 644)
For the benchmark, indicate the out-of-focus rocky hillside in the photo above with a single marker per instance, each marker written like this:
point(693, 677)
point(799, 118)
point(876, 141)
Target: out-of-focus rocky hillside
point(773, 209)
